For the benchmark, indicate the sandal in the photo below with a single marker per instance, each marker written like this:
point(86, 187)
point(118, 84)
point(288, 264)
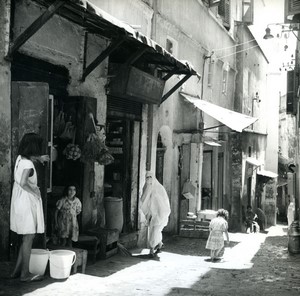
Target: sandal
point(33, 278)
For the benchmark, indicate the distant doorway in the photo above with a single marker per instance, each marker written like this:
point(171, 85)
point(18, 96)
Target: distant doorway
point(160, 156)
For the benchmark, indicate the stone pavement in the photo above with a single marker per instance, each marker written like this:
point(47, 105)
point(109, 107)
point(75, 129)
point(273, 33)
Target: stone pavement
point(251, 264)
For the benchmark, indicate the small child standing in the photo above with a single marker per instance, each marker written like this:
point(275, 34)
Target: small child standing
point(67, 210)
point(215, 241)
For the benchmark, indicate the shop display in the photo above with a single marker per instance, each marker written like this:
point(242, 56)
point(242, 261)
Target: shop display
point(94, 149)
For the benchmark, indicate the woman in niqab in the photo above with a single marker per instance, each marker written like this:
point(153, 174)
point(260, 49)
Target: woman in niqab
point(156, 207)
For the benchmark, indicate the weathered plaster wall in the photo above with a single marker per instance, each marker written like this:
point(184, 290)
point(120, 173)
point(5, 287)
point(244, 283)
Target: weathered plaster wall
point(175, 20)
point(5, 127)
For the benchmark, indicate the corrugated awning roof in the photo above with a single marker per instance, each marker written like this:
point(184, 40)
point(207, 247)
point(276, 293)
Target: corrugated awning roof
point(234, 120)
point(95, 20)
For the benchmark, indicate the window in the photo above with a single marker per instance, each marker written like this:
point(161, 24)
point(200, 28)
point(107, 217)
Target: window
point(171, 46)
point(225, 78)
point(248, 12)
point(224, 12)
point(210, 73)
point(291, 106)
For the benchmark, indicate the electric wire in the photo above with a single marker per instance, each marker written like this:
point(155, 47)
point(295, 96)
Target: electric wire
point(218, 49)
point(225, 56)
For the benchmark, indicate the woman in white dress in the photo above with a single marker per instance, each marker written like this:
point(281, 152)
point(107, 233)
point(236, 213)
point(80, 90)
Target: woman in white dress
point(26, 212)
point(156, 207)
point(217, 227)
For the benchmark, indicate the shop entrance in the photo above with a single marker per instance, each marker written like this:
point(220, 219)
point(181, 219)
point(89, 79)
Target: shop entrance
point(123, 129)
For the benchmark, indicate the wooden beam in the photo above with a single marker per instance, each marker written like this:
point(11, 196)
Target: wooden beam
point(170, 74)
point(173, 89)
point(136, 55)
point(103, 55)
point(35, 26)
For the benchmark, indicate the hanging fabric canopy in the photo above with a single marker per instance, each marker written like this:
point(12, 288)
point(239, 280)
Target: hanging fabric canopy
point(234, 120)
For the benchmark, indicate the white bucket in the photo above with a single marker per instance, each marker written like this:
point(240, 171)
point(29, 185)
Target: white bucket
point(38, 261)
point(61, 262)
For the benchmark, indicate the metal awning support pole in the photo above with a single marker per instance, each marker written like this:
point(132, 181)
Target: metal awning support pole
point(174, 88)
point(34, 27)
point(103, 55)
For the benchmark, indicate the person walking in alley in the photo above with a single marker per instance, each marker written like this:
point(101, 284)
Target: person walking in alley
point(217, 227)
point(250, 219)
point(156, 207)
point(26, 212)
point(67, 210)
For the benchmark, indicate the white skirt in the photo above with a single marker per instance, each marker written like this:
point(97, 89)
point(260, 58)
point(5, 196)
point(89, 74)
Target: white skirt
point(26, 212)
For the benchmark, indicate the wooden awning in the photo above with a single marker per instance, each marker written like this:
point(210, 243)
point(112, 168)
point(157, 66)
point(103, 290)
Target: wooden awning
point(97, 21)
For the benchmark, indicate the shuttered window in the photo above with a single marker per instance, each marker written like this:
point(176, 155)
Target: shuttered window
point(224, 12)
point(291, 106)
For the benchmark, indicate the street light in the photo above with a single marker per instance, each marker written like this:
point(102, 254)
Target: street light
point(285, 30)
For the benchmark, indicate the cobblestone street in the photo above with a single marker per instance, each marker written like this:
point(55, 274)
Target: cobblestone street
point(252, 264)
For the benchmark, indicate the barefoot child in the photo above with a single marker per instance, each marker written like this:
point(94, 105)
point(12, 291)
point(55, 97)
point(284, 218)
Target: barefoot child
point(215, 241)
point(67, 210)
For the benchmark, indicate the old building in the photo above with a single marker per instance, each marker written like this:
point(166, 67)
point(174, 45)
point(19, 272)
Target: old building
point(56, 58)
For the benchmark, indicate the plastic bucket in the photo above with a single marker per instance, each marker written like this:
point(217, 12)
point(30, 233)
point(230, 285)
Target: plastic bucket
point(61, 262)
point(114, 212)
point(38, 261)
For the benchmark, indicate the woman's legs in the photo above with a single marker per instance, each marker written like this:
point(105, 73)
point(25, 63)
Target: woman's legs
point(17, 270)
point(212, 254)
point(25, 255)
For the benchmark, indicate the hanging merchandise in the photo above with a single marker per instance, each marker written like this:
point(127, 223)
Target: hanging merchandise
point(59, 123)
point(95, 149)
point(72, 150)
point(69, 131)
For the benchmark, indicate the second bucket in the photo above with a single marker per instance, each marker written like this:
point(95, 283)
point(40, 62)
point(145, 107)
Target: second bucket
point(61, 262)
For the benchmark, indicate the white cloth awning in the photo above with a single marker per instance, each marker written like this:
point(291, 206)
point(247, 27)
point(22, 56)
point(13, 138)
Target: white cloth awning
point(253, 161)
point(234, 120)
point(267, 173)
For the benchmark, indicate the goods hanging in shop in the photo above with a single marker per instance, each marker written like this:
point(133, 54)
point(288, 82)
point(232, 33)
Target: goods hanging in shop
point(94, 149)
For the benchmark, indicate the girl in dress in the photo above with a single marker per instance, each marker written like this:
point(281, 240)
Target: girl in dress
point(67, 210)
point(26, 212)
point(217, 227)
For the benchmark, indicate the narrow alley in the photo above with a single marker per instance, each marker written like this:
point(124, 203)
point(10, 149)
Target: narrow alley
point(252, 264)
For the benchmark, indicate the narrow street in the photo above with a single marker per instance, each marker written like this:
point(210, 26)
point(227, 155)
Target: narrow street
point(253, 264)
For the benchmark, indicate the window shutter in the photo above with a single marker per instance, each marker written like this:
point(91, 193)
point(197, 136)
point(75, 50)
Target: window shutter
point(224, 12)
point(290, 95)
point(292, 11)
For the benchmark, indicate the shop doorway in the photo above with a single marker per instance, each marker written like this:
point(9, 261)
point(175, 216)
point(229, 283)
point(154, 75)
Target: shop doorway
point(123, 136)
point(206, 202)
point(220, 180)
point(160, 157)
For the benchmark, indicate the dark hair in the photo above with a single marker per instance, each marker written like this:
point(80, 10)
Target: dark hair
point(65, 191)
point(249, 207)
point(223, 213)
point(30, 145)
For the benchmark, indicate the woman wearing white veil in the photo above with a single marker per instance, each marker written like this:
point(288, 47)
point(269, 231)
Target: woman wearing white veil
point(156, 207)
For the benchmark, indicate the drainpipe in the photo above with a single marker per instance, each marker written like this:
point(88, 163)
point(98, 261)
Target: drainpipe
point(150, 106)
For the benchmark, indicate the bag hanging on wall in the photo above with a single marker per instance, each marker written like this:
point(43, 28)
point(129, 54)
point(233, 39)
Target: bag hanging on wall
point(189, 190)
